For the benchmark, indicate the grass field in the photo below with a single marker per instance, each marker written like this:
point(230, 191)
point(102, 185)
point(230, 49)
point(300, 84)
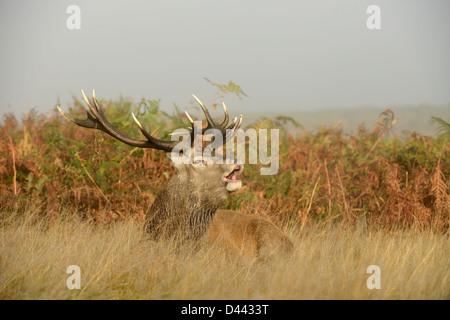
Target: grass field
point(117, 262)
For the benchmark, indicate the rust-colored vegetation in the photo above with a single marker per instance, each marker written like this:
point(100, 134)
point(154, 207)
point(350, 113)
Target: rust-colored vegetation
point(369, 176)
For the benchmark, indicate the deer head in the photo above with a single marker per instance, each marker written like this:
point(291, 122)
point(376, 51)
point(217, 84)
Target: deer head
point(199, 187)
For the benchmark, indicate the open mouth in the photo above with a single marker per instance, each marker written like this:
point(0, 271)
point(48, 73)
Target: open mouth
point(233, 176)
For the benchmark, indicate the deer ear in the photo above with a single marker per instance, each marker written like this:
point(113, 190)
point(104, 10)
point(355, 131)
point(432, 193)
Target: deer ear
point(178, 161)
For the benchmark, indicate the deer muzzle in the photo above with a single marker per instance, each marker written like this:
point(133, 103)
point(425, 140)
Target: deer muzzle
point(231, 180)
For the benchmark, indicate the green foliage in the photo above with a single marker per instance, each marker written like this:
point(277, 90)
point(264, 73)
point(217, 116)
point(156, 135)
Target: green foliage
point(443, 128)
point(230, 87)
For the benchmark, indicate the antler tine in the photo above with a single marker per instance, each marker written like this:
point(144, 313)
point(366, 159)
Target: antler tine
point(144, 132)
point(231, 125)
point(192, 125)
point(137, 122)
point(236, 125)
point(86, 123)
point(91, 111)
point(189, 117)
point(239, 124)
point(210, 121)
point(155, 143)
point(225, 120)
point(65, 115)
point(149, 137)
point(231, 132)
point(96, 104)
point(99, 110)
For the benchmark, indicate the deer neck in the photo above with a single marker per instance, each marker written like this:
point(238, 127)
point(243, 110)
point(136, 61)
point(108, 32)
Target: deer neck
point(183, 205)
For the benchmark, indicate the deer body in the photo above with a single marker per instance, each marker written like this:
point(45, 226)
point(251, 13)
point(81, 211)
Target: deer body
point(248, 235)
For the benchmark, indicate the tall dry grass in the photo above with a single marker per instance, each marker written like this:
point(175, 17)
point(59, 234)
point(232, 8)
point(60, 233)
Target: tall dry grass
point(118, 262)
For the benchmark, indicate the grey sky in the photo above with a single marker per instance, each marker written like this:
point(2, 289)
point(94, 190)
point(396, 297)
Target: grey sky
point(286, 55)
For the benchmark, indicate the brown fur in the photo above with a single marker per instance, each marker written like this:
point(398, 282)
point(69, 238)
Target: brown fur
point(247, 235)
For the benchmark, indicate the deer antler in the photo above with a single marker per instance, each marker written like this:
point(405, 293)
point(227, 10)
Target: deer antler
point(226, 131)
point(96, 120)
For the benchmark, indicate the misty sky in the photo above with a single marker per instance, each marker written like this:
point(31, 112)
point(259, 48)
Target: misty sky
point(286, 55)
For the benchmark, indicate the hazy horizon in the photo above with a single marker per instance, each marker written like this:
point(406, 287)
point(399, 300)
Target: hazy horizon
point(287, 56)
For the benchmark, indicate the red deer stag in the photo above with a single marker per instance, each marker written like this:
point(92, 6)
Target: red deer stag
point(188, 206)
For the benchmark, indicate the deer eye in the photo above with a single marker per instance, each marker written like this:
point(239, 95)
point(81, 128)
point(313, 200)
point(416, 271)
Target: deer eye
point(200, 162)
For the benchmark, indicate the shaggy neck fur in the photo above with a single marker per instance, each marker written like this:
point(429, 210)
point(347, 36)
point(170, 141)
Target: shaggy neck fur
point(184, 208)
